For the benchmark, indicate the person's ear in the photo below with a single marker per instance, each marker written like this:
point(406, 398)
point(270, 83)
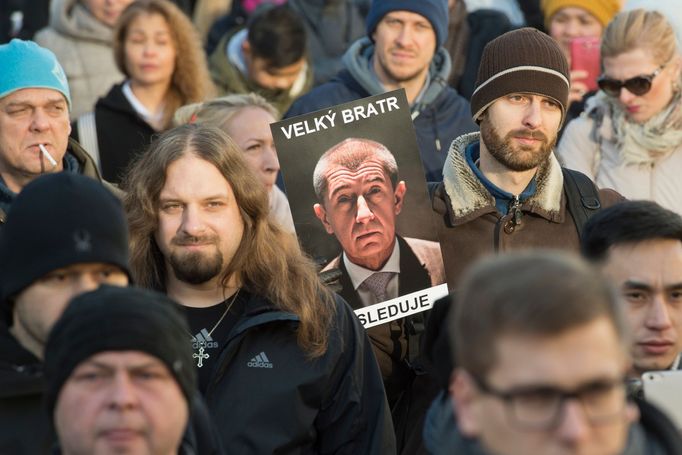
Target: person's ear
point(399, 194)
point(246, 50)
point(321, 215)
point(464, 395)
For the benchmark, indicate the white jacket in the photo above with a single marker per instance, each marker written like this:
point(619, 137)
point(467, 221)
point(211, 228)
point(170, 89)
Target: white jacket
point(595, 153)
point(83, 46)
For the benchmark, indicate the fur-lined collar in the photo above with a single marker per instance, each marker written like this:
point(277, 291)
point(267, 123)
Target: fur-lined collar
point(470, 199)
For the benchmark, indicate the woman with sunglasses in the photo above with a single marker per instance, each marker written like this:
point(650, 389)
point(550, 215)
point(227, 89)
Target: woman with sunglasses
point(630, 136)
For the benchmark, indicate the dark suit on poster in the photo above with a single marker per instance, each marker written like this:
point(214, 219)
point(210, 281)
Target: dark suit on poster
point(421, 267)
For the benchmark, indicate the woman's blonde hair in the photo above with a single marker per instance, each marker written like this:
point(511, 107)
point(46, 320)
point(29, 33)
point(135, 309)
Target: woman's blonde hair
point(640, 29)
point(191, 81)
point(219, 111)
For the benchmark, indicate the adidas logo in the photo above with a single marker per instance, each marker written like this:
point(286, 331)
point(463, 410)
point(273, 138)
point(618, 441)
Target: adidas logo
point(260, 361)
point(203, 339)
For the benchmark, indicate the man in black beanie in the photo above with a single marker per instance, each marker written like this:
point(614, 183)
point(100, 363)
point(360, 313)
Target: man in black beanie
point(120, 375)
point(402, 49)
point(503, 189)
point(65, 234)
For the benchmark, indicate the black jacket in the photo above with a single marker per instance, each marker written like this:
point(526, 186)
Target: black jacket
point(654, 434)
point(121, 133)
point(290, 404)
point(24, 427)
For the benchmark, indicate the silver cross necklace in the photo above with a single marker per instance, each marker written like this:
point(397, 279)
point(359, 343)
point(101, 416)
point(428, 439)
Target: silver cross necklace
point(201, 355)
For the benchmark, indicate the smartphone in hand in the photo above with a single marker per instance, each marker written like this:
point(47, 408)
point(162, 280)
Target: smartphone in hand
point(585, 56)
point(664, 389)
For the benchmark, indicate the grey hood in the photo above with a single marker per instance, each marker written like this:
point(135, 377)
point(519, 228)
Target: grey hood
point(71, 18)
point(358, 61)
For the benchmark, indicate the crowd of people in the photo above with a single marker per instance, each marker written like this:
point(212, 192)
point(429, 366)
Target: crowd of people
point(154, 297)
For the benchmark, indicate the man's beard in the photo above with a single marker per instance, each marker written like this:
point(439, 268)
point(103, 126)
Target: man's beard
point(196, 267)
point(520, 158)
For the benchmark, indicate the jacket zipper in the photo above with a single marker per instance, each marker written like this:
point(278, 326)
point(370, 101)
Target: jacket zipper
point(508, 222)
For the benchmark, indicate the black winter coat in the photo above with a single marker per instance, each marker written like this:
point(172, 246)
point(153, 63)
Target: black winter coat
point(24, 426)
point(289, 404)
point(121, 133)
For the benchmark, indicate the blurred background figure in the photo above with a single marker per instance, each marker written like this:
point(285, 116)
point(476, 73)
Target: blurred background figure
point(468, 33)
point(236, 18)
point(158, 50)
point(521, 13)
point(247, 118)
point(331, 27)
point(22, 18)
point(268, 57)
point(568, 20)
point(80, 34)
point(631, 136)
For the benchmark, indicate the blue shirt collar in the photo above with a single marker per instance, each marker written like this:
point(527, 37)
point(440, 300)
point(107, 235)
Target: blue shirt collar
point(502, 198)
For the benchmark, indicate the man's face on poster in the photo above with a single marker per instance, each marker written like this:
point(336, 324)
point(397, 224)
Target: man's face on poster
point(360, 207)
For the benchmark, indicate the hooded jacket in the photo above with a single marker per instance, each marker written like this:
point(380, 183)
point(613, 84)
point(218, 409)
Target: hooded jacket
point(471, 226)
point(83, 46)
point(293, 405)
point(229, 78)
point(654, 434)
point(439, 115)
point(121, 133)
point(77, 160)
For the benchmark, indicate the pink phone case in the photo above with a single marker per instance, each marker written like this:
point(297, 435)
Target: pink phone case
point(585, 56)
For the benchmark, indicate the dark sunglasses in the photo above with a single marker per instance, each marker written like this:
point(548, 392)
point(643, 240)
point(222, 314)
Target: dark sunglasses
point(638, 85)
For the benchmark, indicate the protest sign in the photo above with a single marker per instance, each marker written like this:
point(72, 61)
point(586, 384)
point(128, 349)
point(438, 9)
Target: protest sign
point(360, 204)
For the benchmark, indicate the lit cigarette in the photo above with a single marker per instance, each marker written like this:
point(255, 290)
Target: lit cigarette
point(47, 155)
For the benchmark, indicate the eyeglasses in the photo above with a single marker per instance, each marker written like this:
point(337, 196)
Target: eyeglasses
point(539, 408)
point(638, 85)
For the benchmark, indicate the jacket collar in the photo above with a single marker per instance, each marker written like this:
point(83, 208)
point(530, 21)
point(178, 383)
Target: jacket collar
point(469, 199)
point(358, 61)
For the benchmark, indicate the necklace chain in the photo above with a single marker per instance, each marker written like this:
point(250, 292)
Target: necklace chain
point(202, 355)
point(225, 312)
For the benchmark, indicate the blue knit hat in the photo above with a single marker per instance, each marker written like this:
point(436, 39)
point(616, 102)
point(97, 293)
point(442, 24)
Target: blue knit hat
point(436, 11)
point(26, 65)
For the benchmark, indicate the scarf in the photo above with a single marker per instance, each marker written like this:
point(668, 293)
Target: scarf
point(642, 143)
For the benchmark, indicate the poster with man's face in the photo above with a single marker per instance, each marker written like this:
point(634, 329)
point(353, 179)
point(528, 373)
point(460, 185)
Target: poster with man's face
point(360, 204)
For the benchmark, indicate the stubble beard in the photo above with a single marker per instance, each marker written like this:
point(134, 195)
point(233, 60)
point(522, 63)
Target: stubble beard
point(519, 159)
point(396, 74)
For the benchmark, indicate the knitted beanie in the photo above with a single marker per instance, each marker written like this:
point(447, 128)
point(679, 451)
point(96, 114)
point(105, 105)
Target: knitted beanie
point(602, 10)
point(113, 318)
point(59, 220)
point(26, 65)
point(521, 61)
point(435, 11)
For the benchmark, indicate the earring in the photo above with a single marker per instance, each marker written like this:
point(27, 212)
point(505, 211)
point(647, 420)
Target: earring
point(675, 86)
